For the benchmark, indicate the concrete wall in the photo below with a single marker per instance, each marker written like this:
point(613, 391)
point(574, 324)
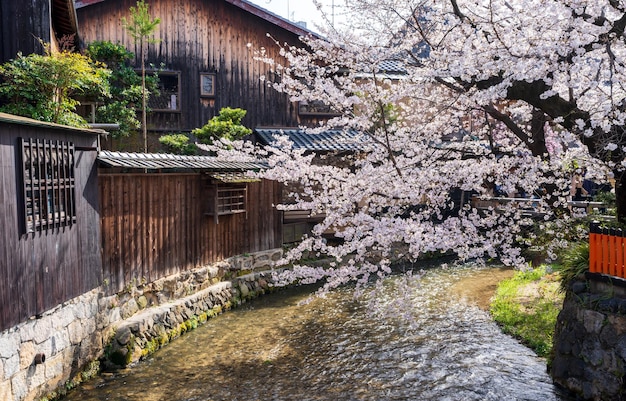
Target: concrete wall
point(46, 354)
point(590, 340)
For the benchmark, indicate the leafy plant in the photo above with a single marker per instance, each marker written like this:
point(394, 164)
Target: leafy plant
point(225, 125)
point(606, 197)
point(125, 87)
point(574, 262)
point(178, 144)
point(46, 87)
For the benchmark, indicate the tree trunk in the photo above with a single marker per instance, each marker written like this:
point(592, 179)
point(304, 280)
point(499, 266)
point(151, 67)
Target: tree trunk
point(620, 196)
point(144, 118)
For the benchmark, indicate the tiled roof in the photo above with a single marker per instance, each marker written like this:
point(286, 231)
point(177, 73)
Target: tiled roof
point(161, 161)
point(330, 140)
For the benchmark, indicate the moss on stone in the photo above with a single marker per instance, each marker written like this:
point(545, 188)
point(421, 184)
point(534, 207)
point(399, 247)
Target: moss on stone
point(202, 318)
point(89, 371)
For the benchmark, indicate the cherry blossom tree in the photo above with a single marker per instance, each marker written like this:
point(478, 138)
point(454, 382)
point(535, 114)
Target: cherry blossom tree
point(452, 97)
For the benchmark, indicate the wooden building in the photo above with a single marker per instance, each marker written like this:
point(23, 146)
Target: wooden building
point(50, 244)
point(166, 214)
point(24, 23)
point(207, 49)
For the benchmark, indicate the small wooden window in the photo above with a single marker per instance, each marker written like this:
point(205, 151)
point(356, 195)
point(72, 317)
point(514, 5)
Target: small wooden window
point(168, 98)
point(48, 184)
point(207, 84)
point(227, 199)
point(231, 200)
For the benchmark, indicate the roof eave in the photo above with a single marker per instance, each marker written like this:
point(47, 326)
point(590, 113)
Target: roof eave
point(246, 6)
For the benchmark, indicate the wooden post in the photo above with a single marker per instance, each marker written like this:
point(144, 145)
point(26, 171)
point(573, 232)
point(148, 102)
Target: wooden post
point(594, 248)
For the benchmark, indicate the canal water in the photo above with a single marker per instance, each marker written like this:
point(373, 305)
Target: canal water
point(442, 347)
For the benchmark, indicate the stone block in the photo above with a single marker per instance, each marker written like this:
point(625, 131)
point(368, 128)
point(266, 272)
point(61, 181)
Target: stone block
point(8, 345)
point(608, 336)
point(142, 302)
point(621, 307)
point(213, 271)
point(612, 364)
point(579, 287)
point(620, 347)
point(592, 321)
point(5, 390)
point(27, 332)
point(592, 353)
point(54, 366)
point(588, 390)
point(36, 376)
point(162, 298)
point(64, 317)
point(42, 330)
point(123, 336)
point(129, 308)
point(115, 315)
point(19, 386)
point(27, 354)
point(277, 255)
point(201, 275)
point(11, 366)
point(75, 332)
point(92, 307)
point(618, 323)
point(60, 341)
point(574, 385)
point(243, 289)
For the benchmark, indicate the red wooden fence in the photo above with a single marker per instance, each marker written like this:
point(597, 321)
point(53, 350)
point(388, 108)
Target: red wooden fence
point(607, 251)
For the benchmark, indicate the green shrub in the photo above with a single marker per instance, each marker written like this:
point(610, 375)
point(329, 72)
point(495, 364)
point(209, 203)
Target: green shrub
point(178, 144)
point(226, 125)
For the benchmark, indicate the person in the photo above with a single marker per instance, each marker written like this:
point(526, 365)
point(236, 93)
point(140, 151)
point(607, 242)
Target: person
point(577, 191)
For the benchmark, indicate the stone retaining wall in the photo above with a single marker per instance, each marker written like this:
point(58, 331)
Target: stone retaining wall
point(51, 352)
point(590, 341)
point(149, 330)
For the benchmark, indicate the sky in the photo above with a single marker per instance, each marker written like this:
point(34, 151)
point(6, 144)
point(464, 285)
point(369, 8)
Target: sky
point(300, 10)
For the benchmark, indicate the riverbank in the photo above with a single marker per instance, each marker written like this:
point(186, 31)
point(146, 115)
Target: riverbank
point(526, 307)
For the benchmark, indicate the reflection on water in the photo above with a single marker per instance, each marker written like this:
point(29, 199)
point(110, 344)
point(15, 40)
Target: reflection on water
point(335, 349)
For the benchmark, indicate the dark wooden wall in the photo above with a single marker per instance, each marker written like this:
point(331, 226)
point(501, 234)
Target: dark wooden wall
point(22, 23)
point(204, 36)
point(43, 269)
point(153, 225)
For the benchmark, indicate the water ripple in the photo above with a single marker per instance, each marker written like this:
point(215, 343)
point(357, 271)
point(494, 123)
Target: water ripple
point(340, 349)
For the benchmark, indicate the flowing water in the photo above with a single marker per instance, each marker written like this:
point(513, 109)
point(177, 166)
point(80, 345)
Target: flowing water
point(444, 347)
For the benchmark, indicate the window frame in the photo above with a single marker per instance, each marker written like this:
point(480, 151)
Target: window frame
point(169, 74)
point(227, 199)
point(49, 201)
point(208, 77)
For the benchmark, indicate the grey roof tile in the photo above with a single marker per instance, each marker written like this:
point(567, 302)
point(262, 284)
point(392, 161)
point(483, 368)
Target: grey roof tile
point(160, 161)
point(330, 140)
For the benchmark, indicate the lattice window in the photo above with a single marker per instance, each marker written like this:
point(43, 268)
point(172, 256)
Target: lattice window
point(226, 199)
point(231, 200)
point(49, 184)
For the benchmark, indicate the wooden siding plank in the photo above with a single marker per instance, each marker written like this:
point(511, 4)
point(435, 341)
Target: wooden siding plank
point(43, 269)
point(178, 234)
point(198, 36)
